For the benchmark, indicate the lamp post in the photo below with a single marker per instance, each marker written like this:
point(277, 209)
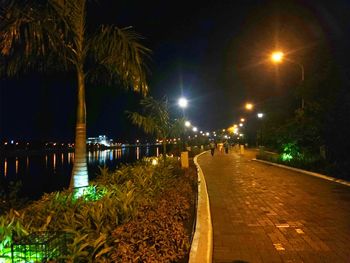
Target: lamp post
point(278, 56)
point(260, 115)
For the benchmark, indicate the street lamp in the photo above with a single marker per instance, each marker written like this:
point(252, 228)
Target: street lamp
point(278, 56)
point(183, 102)
point(187, 124)
point(249, 106)
point(260, 115)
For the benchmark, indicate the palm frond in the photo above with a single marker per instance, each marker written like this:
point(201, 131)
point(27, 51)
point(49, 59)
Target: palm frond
point(145, 122)
point(120, 53)
point(177, 127)
point(31, 36)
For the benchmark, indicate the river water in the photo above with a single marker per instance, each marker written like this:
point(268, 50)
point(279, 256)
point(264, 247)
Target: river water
point(46, 172)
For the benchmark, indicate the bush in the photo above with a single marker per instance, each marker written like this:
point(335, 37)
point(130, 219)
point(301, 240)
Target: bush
point(151, 198)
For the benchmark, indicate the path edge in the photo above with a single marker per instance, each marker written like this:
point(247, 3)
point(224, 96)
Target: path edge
point(325, 177)
point(202, 243)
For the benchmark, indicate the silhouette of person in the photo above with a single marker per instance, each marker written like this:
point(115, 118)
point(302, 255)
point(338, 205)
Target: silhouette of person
point(212, 148)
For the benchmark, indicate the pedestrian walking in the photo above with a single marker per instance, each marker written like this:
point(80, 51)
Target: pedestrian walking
point(226, 146)
point(212, 148)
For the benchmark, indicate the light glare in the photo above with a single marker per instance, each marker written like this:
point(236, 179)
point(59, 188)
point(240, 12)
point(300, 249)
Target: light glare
point(183, 102)
point(277, 56)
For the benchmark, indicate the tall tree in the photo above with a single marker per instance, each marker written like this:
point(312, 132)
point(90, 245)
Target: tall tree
point(155, 119)
point(52, 34)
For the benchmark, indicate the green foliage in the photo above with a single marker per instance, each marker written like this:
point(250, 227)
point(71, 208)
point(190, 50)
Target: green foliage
point(10, 196)
point(290, 151)
point(155, 119)
point(114, 199)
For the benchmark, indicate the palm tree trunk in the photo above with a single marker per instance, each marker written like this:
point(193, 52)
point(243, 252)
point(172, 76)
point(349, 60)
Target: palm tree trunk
point(80, 176)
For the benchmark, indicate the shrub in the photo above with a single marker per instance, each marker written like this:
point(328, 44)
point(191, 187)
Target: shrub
point(116, 201)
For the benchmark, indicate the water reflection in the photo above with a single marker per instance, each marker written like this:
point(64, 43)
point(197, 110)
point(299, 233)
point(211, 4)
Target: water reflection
point(16, 165)
point(45, 172)
point(54, 162)
point(137, 153)
point(5, 167)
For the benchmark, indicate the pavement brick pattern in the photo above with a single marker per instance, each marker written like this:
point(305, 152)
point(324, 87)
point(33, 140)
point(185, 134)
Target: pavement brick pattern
point(263, 213)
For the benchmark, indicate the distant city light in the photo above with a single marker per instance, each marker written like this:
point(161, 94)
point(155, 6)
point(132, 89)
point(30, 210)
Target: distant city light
point(194, 129)
point(187, 124)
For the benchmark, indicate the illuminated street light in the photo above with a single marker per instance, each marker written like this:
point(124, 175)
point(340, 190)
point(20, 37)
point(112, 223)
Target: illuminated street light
point(183, 102)
point(260, 115)
point(241, 125)
point(194, 129)
point(277, 56)
point(242, 120)
point(249, 106)
point(187, 124)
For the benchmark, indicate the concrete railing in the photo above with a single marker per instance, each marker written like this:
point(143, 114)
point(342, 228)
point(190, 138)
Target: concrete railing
point(202, 243)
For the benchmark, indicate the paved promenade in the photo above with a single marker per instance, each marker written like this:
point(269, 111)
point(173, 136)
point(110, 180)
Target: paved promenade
point(262, 213)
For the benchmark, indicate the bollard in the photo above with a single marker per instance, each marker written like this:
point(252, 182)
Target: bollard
point(241, 149)
point(184, 160)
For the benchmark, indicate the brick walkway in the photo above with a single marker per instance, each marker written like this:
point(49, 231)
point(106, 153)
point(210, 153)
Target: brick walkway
point(263, 213)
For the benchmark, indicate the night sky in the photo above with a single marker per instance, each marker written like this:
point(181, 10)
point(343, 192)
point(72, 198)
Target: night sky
point(214, 53)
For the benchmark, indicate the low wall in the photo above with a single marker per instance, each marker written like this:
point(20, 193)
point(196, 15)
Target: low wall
point(202, 243)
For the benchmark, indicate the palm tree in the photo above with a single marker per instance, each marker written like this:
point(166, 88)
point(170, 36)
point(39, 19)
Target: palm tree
point(156, 120)
point(48, 34)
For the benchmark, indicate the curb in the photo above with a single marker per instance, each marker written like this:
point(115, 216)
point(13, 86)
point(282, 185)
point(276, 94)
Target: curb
point(202, 243)
point(325, 177)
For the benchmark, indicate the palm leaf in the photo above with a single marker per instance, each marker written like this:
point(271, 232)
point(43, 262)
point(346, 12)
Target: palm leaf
point(31, 37)
point(119, 53)
point(148, 124)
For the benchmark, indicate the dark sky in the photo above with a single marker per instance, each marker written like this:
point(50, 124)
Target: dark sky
point(215, 53)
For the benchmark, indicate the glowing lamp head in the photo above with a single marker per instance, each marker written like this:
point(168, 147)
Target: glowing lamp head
point(249, 106)
point(154, 161)
point(187, 124)
point(260, 115)
point(277, 56)
point(183, 102)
